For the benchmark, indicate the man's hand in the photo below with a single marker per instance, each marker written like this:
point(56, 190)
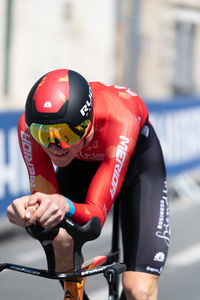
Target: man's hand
point(19, 211)
point(47, 210)
point(51, 209)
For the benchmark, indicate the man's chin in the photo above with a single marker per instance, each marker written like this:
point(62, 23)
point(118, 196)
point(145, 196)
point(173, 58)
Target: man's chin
point(61, 163)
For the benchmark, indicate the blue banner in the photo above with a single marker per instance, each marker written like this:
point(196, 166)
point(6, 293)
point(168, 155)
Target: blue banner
point(178, 127)
point(13, 174)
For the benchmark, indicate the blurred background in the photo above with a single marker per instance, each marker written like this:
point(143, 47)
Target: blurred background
point(152, 47)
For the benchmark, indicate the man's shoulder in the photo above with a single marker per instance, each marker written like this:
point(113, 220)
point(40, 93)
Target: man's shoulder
point(96, 86)
point(102, 91)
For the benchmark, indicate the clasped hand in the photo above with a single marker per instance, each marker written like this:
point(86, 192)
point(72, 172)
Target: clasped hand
point(47, 210)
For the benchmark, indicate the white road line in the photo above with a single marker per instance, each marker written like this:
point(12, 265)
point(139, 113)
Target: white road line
point(186, 257)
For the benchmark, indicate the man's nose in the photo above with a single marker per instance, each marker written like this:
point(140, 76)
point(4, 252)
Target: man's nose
point(56, 149)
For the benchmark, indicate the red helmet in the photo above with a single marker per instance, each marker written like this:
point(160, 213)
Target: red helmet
point(59, 108)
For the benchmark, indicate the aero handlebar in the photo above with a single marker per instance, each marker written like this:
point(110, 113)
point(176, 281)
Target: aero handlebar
point(80, 234)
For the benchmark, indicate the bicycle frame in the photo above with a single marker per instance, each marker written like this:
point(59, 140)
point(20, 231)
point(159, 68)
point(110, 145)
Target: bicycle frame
point(74, 281)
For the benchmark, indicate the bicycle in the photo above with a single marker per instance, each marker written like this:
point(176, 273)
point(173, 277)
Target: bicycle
point(107, 264)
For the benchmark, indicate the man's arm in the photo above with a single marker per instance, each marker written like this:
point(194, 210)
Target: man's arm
point(41, 172)
point(108, 179)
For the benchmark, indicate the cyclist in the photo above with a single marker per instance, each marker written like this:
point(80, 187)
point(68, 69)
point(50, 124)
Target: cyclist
point(101, 141)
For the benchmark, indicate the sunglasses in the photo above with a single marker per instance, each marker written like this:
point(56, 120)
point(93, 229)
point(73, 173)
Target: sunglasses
point(60, 134)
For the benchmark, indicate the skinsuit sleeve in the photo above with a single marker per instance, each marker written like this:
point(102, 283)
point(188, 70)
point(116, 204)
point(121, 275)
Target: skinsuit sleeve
point(41, 172)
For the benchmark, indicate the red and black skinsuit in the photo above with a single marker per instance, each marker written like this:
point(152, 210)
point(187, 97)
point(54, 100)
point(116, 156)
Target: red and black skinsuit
point(124, 160)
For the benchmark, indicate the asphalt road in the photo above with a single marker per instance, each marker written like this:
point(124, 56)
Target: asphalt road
point(180, 279)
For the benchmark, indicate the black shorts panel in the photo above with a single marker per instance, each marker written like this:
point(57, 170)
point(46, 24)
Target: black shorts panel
point(144, 208)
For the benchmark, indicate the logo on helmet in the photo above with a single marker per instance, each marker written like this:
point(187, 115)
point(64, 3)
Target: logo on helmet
point(87, 107)
point(47, 104)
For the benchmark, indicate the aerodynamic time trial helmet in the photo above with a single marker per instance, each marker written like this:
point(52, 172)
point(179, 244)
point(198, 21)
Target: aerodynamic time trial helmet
point(59, 108)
